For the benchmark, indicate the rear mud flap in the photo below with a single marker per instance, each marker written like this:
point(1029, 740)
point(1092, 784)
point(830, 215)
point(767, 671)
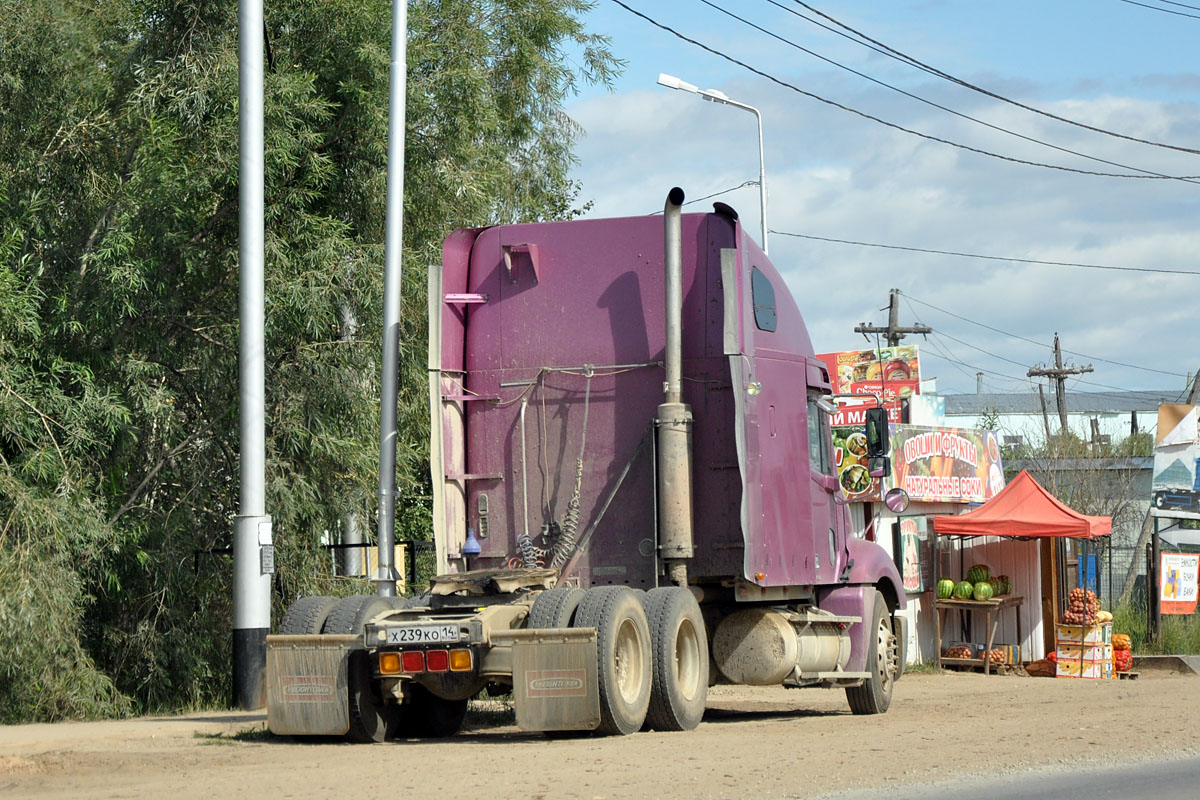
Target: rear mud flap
point(306, 684)
point(555, 685)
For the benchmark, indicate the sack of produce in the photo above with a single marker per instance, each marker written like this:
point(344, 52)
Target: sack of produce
point(1122, 660)
point(1121, 642)
point(1041, 669)
point(1082, 609)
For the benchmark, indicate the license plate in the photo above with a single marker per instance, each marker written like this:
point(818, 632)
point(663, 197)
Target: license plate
point(423, 634)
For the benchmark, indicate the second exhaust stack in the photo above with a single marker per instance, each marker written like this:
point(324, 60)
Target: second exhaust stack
point(674, 416)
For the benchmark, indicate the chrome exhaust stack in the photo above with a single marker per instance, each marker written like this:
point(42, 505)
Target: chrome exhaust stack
point(674, 422)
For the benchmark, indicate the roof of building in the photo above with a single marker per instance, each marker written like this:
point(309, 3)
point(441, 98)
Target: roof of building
point(1077, 402)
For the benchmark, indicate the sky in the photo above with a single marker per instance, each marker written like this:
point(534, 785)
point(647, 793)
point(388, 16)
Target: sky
point(832, 173)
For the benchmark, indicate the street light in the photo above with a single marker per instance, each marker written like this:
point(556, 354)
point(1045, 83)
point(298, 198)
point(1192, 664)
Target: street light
point(716, 96)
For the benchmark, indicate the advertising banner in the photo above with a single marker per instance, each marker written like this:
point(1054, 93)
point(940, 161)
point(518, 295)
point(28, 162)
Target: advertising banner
point(890, 372)
point(1175, 490)
point(949, 465)
point(1178, 587)
point(850, 459)
point(914, 554)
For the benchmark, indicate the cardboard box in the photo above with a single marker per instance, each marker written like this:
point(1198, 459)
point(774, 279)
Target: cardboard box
point(1085, 652)
point(1090, 670)
point(1012, 654)
point(1084, 634)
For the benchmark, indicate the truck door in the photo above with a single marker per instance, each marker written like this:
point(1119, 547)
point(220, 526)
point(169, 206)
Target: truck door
point(788, 516)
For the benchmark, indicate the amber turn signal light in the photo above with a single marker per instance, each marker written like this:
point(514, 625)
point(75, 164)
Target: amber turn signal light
point(460, 660)
point(389, 663)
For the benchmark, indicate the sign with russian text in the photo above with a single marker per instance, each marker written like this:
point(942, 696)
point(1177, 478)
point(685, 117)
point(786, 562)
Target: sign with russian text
point(946, 465)
point(914, 556)
point(1178, 586)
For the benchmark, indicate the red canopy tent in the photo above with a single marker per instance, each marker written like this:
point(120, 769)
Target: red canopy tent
point(1023, 508)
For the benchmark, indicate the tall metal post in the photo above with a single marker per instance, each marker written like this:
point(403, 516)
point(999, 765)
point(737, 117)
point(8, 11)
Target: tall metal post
point(385, 576)
point(253, 553)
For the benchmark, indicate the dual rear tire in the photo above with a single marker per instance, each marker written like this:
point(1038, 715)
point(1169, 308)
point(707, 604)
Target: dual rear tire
point(651, 655)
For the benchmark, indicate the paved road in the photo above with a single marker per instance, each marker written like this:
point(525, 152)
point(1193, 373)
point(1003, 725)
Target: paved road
point(1163, 780)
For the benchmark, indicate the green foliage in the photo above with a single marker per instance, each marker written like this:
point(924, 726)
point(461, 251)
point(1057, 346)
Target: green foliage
point(1179, 634)
point(119, 297)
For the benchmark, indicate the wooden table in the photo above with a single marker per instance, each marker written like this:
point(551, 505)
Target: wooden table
point(991, 609)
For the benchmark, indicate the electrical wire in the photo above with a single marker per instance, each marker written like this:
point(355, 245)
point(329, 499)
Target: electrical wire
point(1163, 10)
point(893, 125)
point(908, 297)
point(986, 258)
point(890, 52)
point(741, 185)
point(926, 101)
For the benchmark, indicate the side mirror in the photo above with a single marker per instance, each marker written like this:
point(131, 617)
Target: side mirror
point(879, 466)
point(877, 432)
point(896, 500)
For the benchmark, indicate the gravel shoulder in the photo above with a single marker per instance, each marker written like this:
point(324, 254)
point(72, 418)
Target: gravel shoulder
point(766, 742)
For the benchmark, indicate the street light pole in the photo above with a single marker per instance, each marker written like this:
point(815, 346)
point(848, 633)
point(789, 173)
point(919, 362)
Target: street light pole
point(716, 96)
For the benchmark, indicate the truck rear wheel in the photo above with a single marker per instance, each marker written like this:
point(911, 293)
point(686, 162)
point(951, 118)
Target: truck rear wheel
point(555, 608)
point(875, 695)
point(432, 716)
point(622, 654)
point(679, 659)
point(307, 615)
point(372, 719)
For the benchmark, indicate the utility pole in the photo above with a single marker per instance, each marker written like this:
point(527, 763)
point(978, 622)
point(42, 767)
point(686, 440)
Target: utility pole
point(1059, 374)
point(1194, 394)
point(253, 551)
point(893, 332)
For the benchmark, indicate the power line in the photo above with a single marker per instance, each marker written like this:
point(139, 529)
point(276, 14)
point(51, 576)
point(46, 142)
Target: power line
point(1164, 10)
point(986, 258)
point(908, 297)
point(927, 102)
point(893, 125)
point(741, 185)
point(890, 52)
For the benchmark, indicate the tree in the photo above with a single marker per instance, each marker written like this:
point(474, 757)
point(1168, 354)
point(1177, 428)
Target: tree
point(118, 272)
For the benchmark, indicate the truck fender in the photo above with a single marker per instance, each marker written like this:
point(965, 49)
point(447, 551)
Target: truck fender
point(872, 565)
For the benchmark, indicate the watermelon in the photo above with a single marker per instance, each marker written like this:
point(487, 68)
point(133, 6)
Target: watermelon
point(979, 572)
point(983, 591)
point(945, 589)
point(1005, 585)
point(994, 582)
point(963, 590)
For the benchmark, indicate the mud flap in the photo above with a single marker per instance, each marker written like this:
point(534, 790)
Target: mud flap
point(555, 683)
point(307, 685)
point(900, 629)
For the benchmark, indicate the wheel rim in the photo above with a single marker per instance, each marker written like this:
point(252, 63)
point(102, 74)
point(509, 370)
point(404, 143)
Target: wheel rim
point(630, 662)
point(885, 650)
point(687, 660)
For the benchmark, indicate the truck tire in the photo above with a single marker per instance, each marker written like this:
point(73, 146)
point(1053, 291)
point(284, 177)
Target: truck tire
point(555, 608)
point(679, 659)
point(622, 656)
point(307, 615)
point(372, 719)
point(875, 694)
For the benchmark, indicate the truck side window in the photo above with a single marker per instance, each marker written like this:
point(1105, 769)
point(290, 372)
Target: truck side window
point(762, 293)
point(818, 439)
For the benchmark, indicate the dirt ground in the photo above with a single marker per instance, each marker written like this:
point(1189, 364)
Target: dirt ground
point(757, 742)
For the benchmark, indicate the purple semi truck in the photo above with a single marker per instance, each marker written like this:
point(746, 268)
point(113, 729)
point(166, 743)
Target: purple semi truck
point(634, 499)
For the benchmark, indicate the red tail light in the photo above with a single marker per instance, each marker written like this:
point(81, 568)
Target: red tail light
point(413, 660)
point(437, 660)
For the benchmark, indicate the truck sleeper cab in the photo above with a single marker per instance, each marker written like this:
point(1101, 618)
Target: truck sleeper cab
point(633, 489)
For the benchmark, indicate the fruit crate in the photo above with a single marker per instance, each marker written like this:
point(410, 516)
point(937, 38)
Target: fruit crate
point(1083, 634)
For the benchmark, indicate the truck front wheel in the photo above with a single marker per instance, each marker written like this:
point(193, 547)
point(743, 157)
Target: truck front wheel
point(622, 655)
point(875, 694)
point(679, 659)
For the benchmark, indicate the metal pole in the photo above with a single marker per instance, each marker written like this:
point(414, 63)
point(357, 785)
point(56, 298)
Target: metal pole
point(253, 554)
point(762, 178)
point(385, 576)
